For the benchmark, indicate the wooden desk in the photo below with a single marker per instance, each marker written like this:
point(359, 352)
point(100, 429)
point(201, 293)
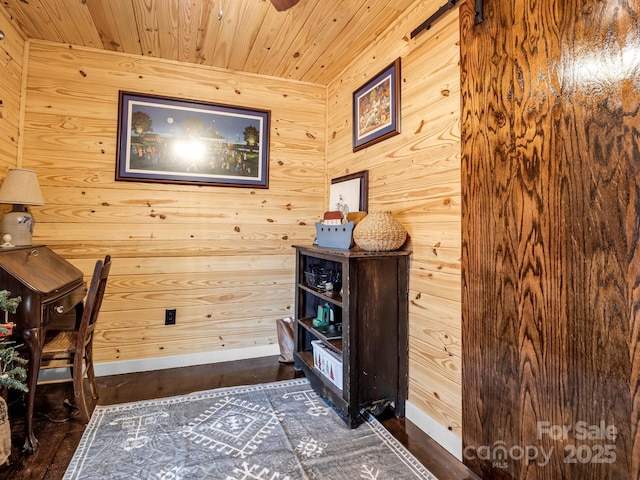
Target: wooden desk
point(49, 286)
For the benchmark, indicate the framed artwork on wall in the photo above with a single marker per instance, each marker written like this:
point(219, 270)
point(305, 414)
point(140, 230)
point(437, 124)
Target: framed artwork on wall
point(376, 108)
point(350, 193)
point(170, 140)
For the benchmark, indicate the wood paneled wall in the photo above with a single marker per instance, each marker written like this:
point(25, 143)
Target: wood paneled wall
point(551, 220)
point(221, 256)
point(416, 175)
point(11, 59)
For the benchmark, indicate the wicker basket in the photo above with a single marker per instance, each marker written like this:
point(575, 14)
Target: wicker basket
point(379, 232)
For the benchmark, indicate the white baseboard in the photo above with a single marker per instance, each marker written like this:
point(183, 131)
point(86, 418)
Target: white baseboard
point(445, 437)
point(175, 361)
point(187, 360)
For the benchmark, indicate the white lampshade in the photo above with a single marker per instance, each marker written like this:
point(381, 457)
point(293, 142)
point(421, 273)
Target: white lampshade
point(20, 188)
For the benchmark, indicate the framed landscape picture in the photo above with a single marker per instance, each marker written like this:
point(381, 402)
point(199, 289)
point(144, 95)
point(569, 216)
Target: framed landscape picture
point(170, 140)
point(376, 108)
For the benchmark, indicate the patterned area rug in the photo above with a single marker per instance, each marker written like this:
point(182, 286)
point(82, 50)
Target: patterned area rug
point(273, 431)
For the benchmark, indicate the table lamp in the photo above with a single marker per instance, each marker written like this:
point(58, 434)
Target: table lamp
point(20, 188)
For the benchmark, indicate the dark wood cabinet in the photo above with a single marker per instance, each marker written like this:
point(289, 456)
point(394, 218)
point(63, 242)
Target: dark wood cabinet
point(361, 355)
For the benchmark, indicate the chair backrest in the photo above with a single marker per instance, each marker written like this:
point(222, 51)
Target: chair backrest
point(93, 302)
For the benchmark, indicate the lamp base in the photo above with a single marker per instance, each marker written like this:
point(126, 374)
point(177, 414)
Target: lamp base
point(19, 224)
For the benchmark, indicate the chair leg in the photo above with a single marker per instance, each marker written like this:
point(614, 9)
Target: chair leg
point(78, 388)
point(90, 371)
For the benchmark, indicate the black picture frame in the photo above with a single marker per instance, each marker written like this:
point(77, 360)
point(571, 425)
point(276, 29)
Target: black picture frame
point(376, 108)
point(351, 191)
point(172, 140)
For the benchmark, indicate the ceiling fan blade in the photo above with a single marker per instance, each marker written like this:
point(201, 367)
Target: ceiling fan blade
point(282, 5)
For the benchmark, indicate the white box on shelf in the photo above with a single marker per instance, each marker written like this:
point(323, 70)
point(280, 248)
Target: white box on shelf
point(328, 362)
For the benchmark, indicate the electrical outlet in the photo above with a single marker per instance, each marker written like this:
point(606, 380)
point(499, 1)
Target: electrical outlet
point(170, 316)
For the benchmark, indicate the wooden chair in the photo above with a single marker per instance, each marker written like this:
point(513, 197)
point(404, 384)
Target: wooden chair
point(73, 348)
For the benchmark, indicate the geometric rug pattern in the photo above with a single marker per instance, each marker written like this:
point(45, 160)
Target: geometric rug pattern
point(274, 431)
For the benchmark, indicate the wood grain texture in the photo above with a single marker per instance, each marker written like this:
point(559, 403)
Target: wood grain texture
point(175, 244)
point(220, 256)
point(416, 175)
point(313, 41)
point(11, 64)
point(550, 209)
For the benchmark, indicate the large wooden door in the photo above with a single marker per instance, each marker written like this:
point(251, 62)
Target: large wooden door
point(551, 221)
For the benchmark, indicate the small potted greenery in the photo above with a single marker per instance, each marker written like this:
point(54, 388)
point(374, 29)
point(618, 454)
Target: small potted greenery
point(13, 373)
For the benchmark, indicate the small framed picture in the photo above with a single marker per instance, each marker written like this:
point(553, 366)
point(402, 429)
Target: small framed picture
point(350, 193)
point(376, 108)
point(171, 140)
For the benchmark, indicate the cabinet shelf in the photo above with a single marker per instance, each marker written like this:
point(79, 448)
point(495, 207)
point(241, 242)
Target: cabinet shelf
point(373, 343)
point(330, 296)
point(304, 360)
point(307, 359)
point(333, 339)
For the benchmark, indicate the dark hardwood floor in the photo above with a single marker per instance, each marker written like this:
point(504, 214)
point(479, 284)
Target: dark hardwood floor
point(58, 439)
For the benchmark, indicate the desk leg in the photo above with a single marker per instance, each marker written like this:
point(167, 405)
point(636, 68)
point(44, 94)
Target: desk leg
point(34, 339)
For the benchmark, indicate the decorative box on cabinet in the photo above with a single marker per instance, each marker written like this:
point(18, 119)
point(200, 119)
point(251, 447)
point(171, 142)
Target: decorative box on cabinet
point(368, 337)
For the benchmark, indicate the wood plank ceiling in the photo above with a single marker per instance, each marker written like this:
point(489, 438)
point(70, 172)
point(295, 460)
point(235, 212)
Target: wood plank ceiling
point(312, 41)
